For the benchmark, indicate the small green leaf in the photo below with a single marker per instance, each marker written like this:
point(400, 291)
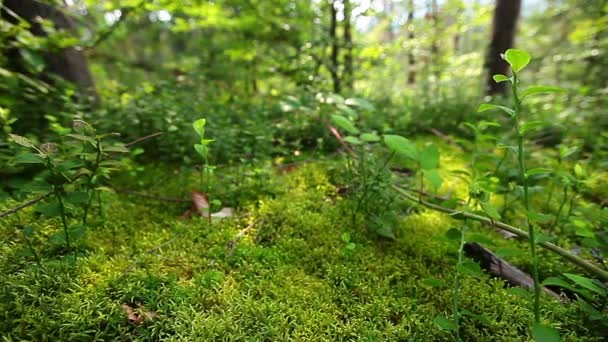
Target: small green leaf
point(352, 140)
point(445, 324)
point(344, 123)
point(429, 157)
point(505, 252)
point(500, 78)
point(433, 282)
point(541, 218)
point(518, 59)
point(386, 232)
point(537, 171)
point(433, 177)
point(453, 234)
point(116, 149)
point(587, 283)
point(555, 281)
point(359, 102)
point(401, 145)
point(490, 210)
point(50, 209)
point(81, 137)
point(528, 126)
point(470, 268)
point(23, 141)
point(202, 150)
point(544, 333)
point(29, 158)
point(370, 137)
point(541, 90)
point(199, 127)
point(579, 171)
point(541, 238)
point(28, 231)
point(488, 106)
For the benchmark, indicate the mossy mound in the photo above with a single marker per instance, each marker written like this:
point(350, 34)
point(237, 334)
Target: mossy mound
point(293, 276)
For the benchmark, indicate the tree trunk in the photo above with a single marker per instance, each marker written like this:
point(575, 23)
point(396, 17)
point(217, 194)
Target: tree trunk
point(69, 63)
point(411, 75)
point(335, 49)
point(348, 44)
point(506, 13)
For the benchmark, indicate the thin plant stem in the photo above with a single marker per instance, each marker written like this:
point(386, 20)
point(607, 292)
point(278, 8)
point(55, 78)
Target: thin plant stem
point(89, 186)
point(64, 221)
point(456, 289)
point(524, 181)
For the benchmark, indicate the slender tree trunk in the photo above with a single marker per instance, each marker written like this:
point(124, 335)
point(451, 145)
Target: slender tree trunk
point(435, 59)
point(506, 14)
point(69, 63)
point(348, 45)
point(411, 75)
point(335, 48)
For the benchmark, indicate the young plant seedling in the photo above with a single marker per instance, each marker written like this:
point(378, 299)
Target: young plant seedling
point(518, 60)
point(202, 149)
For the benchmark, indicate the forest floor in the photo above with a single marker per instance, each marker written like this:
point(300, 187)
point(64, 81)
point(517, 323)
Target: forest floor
point(290, 265)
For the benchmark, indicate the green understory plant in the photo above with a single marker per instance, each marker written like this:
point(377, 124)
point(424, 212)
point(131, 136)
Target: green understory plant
point(518, 60)
point(202, 149)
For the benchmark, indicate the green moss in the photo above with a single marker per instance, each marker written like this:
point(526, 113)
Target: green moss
point(290, 278)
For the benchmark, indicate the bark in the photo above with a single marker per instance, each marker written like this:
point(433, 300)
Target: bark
point(335, 48)
point(500, 268)
point(411, 75)
point(68, 63)
point(348, 44)
point(504, 26)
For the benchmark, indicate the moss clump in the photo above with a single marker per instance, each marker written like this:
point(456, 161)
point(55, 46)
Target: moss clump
point(290, 278)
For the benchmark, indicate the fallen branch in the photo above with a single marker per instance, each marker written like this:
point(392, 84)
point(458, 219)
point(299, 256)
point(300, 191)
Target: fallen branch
point(26, 204)
point(591, 268)
point(138, 140)
point(498, 267)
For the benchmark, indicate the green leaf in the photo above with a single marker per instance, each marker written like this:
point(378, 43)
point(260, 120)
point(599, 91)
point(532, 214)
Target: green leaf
point(544, 333)
point(541, 90)
point(579, 171)
point(401, 145)
point(429, 157)
point(505, 252)
point(81, 137)
point(528, 126)
point(541, 238)
point(453, 234)
point(518, 59)
point(445, 324)
point(359, 102)
point(50, 209)
point(490, 210)
point(538, 171)
point(202, 150)
point(470, 268)
point(541, 218)
point(433, 177)
point(23, 141)
point(488, 106)
point(352, 140)
point(116, 149)
point(370, 137)
point(433, 282)
point(28, 231)
point(29, 158)
point(587, 283)
point(386, 231)
point(33, 59)
point(555, 281)
point(344, 123)
point(500, 78)
point(199, 127)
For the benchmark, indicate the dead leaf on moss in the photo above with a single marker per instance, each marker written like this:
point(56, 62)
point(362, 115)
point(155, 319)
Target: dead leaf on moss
point(137, 314)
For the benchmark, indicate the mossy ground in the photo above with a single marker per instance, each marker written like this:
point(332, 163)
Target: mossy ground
point(290, 278)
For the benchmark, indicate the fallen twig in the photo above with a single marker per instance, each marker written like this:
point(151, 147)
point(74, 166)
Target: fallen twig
point(26, 204)
point(498, 267)
point(600, 273)
point(138, 140)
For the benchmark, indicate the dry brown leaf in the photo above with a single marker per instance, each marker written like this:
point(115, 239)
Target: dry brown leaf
point(136, 314)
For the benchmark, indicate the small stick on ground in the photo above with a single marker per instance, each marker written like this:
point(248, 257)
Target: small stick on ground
point(498, 267)
point(232, 244)
point(25, 205)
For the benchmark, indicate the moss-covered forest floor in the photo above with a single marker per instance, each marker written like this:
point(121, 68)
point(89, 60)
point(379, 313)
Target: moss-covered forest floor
point(303, 270)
